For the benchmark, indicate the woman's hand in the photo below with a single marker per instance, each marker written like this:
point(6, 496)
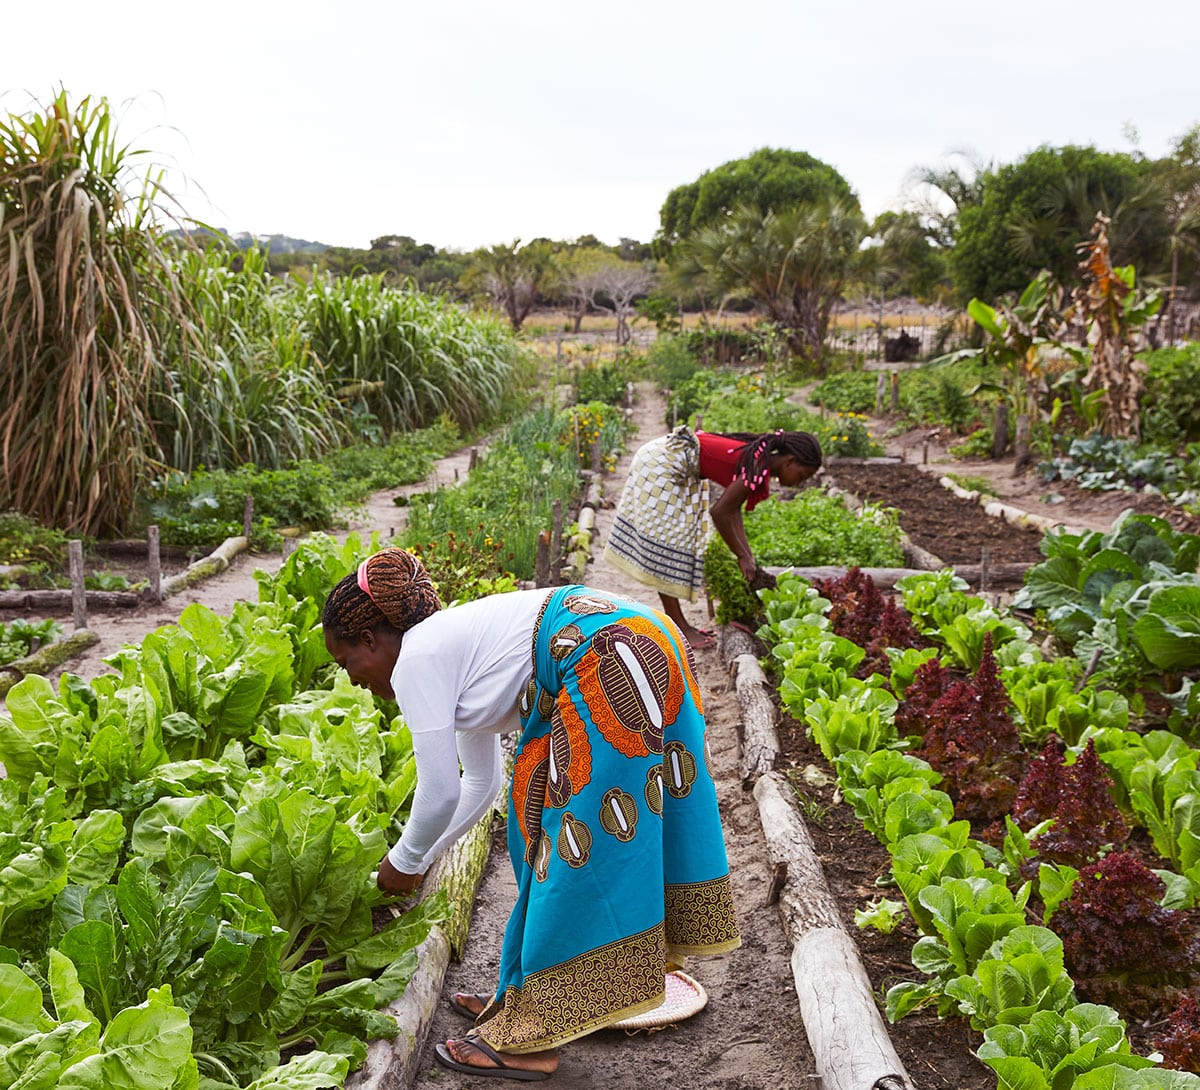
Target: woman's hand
point(748, 566)
point(395, 882)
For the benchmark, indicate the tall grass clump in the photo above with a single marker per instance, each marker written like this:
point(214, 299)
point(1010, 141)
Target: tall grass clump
point(251, 388)
point(83, 264)
point(409, 357)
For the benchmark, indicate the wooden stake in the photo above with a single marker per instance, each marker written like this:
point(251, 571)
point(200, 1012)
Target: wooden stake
point(78, 592)
point(556, 532)
point(154, 561)
point(248, 517)
point(541, 565)
point(983, 570)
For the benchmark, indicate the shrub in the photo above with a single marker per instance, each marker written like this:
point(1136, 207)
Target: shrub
point(670, 362)
point(848, 392)
point(204, 509)
point(596, 381)
point(24, 541)
point(1171, 401)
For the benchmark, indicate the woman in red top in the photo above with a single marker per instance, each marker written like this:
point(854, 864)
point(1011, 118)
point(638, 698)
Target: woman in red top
point(660, 531)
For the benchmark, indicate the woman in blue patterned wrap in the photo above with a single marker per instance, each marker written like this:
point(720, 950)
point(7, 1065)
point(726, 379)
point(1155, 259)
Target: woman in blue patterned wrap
point(613, 832)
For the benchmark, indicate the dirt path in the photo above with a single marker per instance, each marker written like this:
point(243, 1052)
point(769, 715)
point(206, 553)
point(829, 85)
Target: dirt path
point(750, 1034)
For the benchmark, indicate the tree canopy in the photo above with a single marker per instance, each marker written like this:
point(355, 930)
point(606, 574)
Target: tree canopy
point(1034, 213)
point(770, 180)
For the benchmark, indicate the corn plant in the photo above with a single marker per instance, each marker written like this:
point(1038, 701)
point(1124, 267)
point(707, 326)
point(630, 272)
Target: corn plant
point(410, 357)
point(252, 389)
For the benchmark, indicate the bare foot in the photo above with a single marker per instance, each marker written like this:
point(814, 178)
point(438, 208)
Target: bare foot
point(699, 640)
point(470, 1003)
point(474, 1052)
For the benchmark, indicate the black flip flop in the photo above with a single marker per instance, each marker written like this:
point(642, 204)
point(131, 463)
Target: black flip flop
point(503, 1071)
point(463, 1009)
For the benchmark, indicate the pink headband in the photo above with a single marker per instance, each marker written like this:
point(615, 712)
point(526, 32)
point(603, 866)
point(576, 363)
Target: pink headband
point(363, 585)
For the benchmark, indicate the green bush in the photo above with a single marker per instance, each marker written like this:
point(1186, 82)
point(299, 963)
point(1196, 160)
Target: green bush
point(1171, 402)
point(509, 495)
point(404, 459)
point(670, 362)
point(693, 395)
point(202, 510)
point(848, 392)
point(596, 381)
point(720, 347)
point(24, 541)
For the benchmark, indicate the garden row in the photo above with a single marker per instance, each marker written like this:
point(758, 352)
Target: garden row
point(1059, 858)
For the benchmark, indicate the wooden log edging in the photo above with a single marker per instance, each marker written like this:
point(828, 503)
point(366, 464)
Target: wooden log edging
point(63, 599)
point(392, 1064)
point(760, 740)
point(207, 566)
point(848, 1037)
point(845, 1030)
point(46, 658)
point(579, 544)
point(886, 578)
point(1015, 516)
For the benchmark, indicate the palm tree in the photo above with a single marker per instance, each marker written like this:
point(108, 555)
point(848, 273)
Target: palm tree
point(793, 262)
point(959, 182)
point(514, 275)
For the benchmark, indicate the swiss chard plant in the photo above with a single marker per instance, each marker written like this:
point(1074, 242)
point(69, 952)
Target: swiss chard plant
point(188, 843)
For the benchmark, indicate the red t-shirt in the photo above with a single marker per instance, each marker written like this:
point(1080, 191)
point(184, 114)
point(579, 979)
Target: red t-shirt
point(718, 462)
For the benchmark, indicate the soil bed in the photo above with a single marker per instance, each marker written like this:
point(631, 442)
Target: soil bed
point(953, 529)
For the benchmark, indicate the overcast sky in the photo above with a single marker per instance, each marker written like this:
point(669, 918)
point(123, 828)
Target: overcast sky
point(470, 122)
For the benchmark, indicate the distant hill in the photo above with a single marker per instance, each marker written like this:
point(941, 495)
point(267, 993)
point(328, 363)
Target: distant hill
point(277, 244)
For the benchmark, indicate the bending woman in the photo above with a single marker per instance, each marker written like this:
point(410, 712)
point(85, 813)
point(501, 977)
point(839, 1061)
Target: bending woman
point(660, 531)
point(613, 830)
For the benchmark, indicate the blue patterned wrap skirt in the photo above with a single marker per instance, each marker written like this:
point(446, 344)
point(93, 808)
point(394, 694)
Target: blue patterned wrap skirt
point(613, 827)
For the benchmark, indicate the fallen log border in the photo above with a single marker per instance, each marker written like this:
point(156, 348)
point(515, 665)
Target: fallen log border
point(846, 1032)
point(63, 599)
point(46, 658)
point(207, 566)
point(885, 578)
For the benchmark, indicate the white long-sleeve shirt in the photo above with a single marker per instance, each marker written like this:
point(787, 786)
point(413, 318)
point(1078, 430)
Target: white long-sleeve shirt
point(457, 679)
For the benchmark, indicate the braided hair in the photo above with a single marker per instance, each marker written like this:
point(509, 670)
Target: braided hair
point(391, 587)
point(759, 448)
